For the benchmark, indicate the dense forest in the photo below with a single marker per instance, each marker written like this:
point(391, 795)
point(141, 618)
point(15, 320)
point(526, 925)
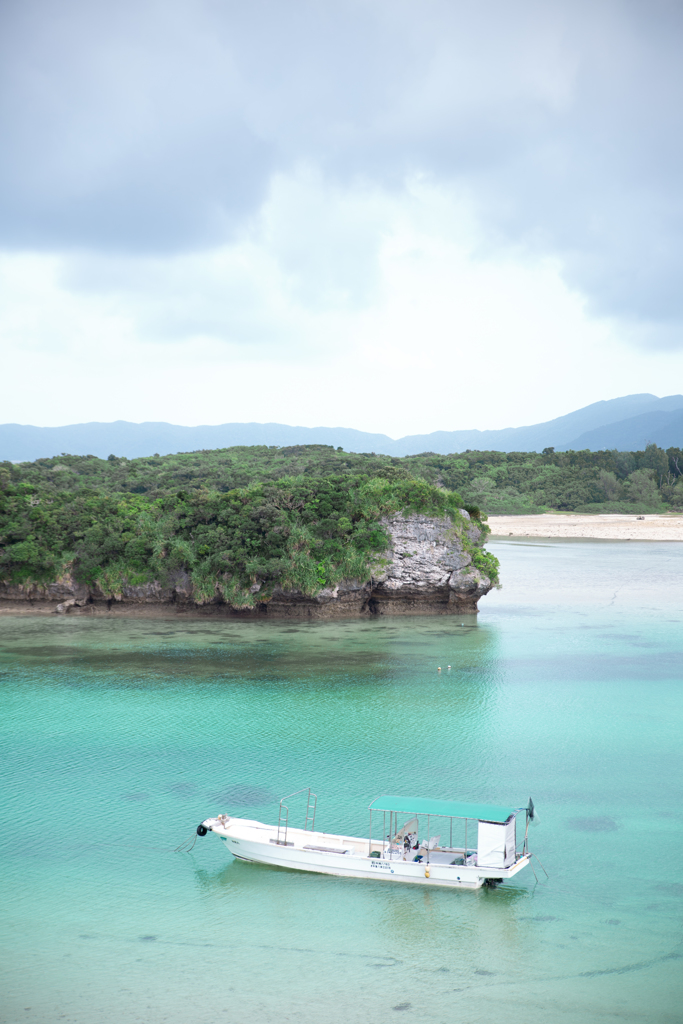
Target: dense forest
point(245, 518)
point(573, 481)
point(584, 481)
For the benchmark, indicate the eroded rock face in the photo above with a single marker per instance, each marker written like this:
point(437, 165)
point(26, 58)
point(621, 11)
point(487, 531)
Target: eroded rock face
point(429, 569)
point(425, 570)
point(64, 593)
point(350, 597)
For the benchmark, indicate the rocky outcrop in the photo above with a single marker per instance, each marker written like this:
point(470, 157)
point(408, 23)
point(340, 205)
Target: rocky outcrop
point(64, 593)
point(427, 569)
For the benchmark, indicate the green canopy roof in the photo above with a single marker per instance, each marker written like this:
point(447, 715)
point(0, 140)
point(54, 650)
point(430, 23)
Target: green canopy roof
point(446, 808)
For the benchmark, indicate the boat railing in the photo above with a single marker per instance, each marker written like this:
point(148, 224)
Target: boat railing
point(283, 816)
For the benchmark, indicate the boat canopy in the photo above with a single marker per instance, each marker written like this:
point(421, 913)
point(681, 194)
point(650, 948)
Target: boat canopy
point(443, 808)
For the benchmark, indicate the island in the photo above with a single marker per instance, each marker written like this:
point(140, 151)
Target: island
point(307, 532)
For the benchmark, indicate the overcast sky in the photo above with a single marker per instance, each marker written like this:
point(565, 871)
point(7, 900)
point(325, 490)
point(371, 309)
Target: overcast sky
point(395, 215)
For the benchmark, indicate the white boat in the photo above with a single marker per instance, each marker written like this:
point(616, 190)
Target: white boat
point(416, 842)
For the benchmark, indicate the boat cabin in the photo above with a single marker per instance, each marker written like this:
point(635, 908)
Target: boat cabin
point(446, 832)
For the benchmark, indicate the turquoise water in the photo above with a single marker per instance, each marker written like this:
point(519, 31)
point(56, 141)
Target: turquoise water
point(118, 737)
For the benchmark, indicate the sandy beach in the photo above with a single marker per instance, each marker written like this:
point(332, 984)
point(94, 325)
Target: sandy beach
point(603, 527)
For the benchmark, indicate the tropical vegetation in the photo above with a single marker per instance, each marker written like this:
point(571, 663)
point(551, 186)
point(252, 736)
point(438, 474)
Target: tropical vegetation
point(239, 521)
point(235, 523)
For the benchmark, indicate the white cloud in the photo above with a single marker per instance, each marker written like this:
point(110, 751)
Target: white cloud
point(429, 329)
point(149, 127)
point(390, 215)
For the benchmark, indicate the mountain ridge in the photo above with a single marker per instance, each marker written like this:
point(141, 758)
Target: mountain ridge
point(627, 424)
point(665, 429)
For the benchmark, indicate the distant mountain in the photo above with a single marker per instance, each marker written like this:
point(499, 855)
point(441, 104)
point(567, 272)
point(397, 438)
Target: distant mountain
point(558, 433)
point(661, 428)
point(136, 440)
point(625, 423)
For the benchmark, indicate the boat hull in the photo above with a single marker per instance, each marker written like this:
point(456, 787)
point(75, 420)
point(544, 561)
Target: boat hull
point(257, 843)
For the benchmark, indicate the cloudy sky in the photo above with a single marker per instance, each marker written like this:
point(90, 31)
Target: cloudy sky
point(395, 215)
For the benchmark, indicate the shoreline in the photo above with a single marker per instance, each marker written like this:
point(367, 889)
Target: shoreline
point(588, 527)
point(303, 611)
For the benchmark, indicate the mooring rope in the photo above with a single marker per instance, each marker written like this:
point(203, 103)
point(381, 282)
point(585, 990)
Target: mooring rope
point(540, 865)
point(184, 848)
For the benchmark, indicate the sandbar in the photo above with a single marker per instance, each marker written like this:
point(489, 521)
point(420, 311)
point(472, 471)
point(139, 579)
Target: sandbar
point(598, 527)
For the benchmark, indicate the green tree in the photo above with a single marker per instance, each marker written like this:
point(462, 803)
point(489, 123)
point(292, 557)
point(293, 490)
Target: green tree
point(657, 460)
point(641, 487)
point(612, 487)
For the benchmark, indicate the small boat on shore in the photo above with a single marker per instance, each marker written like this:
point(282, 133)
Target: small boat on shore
point(416, 842)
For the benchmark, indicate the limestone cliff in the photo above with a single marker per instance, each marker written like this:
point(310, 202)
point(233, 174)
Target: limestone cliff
point(427, 569)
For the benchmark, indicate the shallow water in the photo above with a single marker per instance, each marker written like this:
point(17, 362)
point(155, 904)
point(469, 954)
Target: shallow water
point(118, 737)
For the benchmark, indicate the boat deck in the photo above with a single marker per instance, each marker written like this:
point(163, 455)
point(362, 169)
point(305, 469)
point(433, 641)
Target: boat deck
point(350, 846)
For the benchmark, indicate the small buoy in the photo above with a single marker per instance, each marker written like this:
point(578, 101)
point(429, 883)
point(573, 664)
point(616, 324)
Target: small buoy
point(449, 668)
point(426, 872)
point(439, 668)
